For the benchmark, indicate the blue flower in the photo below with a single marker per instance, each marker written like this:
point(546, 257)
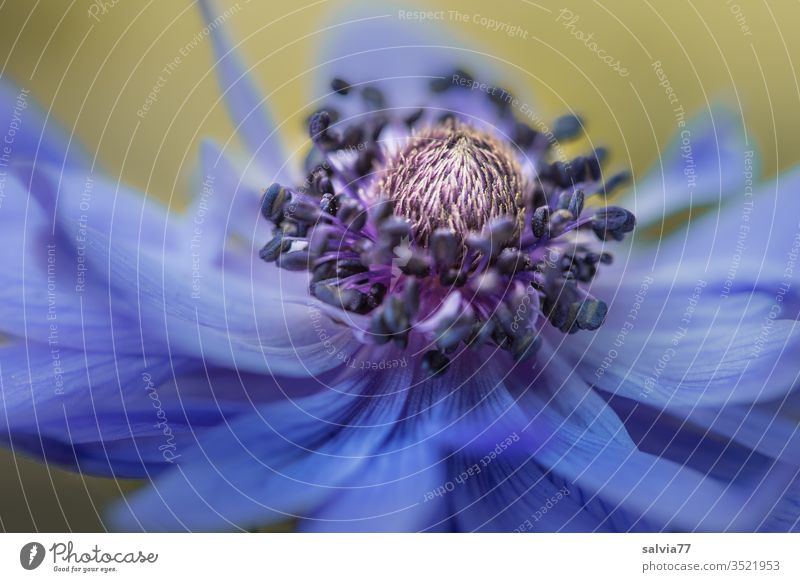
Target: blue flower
point(434, 325)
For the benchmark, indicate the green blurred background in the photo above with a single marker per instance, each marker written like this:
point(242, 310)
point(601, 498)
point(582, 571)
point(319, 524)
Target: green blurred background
point(92, 63)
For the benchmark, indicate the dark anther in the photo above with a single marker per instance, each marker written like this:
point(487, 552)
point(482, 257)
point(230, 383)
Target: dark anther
point(502, 99)
point(567, 127)
point(275, 197)
point(318, 241)
point(412, 119)
point(352, 214)
point(453, 277)
point(452, 331)
point(382, 210)
point(294, 261)
point(365, 160)
point(379, 124)
point(525, 346)
point(395, 318)
point(482, 332)
point(441, 84)
point(575, 206)
point(435, 362)
point(376, 294)
point(304, 211)
point(344, 298)
point(462, 76)
point(272, 250)
point(394, 229)
point(445, 118)
point(416, 264)
point(341, 86)
point(510, 261)
point(591, 314)
point(444, 247)
point(615, 182)
point(540, 221)
point(352, 136)
point(523, 135)
point(613, 222)
point(323, 272)
point(500, 231)
point(320, 181)
point(329, 204)
point(373, 97)
point(318, 126)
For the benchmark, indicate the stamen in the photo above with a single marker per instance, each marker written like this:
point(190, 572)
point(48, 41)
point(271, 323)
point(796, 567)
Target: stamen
point(443, 239)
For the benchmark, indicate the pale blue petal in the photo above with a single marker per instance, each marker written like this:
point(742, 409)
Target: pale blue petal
point(35, 136)
point(246, 107)
point(284, 460)
point(702, 166)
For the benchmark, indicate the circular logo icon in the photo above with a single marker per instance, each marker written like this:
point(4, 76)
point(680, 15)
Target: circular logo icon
point(31, 555)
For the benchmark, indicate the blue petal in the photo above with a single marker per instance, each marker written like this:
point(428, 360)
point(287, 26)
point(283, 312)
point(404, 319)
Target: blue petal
point(37, 138)
point(118, 415)
point(740, 294)
point(721, 357)
point(248, 317)
point(387, 495)
point(785, 517)
point(285, 459)
point(510, 495)
point(45, 285)
point(369, 43)
point(591, 448)
point(245, 105)
point(702, 166)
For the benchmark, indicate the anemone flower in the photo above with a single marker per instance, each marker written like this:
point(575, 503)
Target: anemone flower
point(439, 323)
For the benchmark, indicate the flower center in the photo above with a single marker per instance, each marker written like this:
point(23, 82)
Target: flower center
point(446, 242)
point(454, 176)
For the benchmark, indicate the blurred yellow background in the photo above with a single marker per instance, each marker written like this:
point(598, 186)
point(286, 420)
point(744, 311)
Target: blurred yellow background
point(93, 62)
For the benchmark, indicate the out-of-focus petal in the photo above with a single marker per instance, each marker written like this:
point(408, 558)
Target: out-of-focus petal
point(703, 165)
point(35, 136)
point(285, 459)
point(46, 293)
point(247, 108)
